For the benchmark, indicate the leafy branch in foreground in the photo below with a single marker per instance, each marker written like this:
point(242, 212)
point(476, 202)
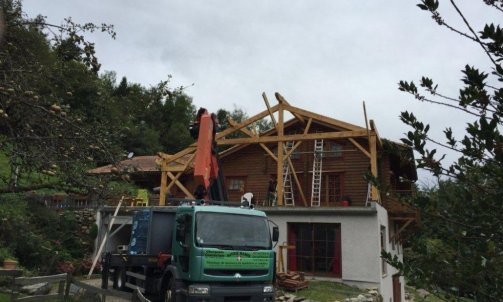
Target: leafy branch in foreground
point(458, 251)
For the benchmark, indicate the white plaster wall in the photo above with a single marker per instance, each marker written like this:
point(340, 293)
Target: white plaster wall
point(386, 283)
point(359, 244)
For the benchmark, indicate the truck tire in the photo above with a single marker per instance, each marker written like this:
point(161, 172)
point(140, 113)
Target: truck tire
point(170, 294)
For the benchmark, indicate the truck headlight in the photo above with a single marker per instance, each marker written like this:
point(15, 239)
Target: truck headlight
point(268, 289)
point(199, 289)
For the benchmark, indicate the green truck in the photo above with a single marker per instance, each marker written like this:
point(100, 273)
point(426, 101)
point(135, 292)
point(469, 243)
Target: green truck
point(197, 253)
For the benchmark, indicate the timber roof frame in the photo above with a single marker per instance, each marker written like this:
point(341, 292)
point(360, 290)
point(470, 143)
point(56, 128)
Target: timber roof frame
point(276, 135)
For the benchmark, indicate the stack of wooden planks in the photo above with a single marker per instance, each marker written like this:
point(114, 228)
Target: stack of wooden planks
point(292, 281)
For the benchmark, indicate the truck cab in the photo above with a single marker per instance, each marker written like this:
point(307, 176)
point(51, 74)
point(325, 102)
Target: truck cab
point(222, 254)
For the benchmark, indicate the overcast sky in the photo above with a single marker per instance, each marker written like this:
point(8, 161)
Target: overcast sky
point(323, 56)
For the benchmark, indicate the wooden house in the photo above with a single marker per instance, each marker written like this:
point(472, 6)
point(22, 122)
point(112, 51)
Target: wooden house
point(337, 194)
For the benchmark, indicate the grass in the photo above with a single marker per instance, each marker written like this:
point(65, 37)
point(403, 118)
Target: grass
point(4, 297)
point(326, 291)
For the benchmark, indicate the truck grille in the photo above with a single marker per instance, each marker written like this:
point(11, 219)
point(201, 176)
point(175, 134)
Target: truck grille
point(232, 272)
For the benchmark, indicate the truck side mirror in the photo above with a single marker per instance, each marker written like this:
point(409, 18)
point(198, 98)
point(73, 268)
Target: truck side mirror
point(275, 234)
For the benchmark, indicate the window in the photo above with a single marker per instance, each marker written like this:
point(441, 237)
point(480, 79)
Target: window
point(236, 184)
point(317, 248)
point(332, 150)
point(383, 249)
point(334, 187)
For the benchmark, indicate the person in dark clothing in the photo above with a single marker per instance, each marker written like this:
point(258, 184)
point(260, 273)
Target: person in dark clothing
point(271, 192)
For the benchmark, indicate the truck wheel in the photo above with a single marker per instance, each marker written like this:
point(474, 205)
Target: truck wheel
point(170, 294)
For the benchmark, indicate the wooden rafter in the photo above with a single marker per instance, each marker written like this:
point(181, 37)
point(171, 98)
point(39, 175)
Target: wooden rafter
point(357, 145)
point(245, 123)
point(293, 137)
point(322, 119)
point(281, 99)
point(271, 113)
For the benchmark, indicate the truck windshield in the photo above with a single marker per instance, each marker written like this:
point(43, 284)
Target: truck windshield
point(231, 231)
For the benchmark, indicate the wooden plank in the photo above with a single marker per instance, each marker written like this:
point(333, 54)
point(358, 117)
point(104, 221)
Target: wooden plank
point(103, 241)
point(357, 145)
point(323, 119)
point(294, 137)
point(34, 280)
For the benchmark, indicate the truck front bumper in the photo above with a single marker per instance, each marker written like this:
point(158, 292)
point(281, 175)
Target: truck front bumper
point(232, 293)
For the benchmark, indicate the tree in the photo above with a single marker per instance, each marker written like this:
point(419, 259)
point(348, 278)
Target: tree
point(459, 248)
point(48, 86)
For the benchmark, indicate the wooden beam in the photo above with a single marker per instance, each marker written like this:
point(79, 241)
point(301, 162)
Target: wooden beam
point(271, 154)
point(177, 176)
point(373, 166)
point(233, 123)
point(323, 119)
point(181, 186)
point(299, 186)
point(293, 137)
point(163, 190)
point(281, 99)
point(177, 155)
point(271, 113)
point(297, 144)
point(279, 164)
point(397, 234)
point(357, 145)
point(374, 128)
point(261, 115)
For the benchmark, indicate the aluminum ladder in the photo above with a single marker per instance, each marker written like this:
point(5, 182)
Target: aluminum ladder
point(288, 196)
point(317, 167)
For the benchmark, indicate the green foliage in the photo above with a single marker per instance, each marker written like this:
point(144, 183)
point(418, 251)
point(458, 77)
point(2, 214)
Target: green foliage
point(37, 236)
point(459, 249)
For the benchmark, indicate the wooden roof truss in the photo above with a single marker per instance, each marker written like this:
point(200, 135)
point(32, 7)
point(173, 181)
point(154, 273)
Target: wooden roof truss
point(276, 136)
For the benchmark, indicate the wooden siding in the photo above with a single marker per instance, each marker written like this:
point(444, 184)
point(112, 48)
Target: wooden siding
point(254, 162)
